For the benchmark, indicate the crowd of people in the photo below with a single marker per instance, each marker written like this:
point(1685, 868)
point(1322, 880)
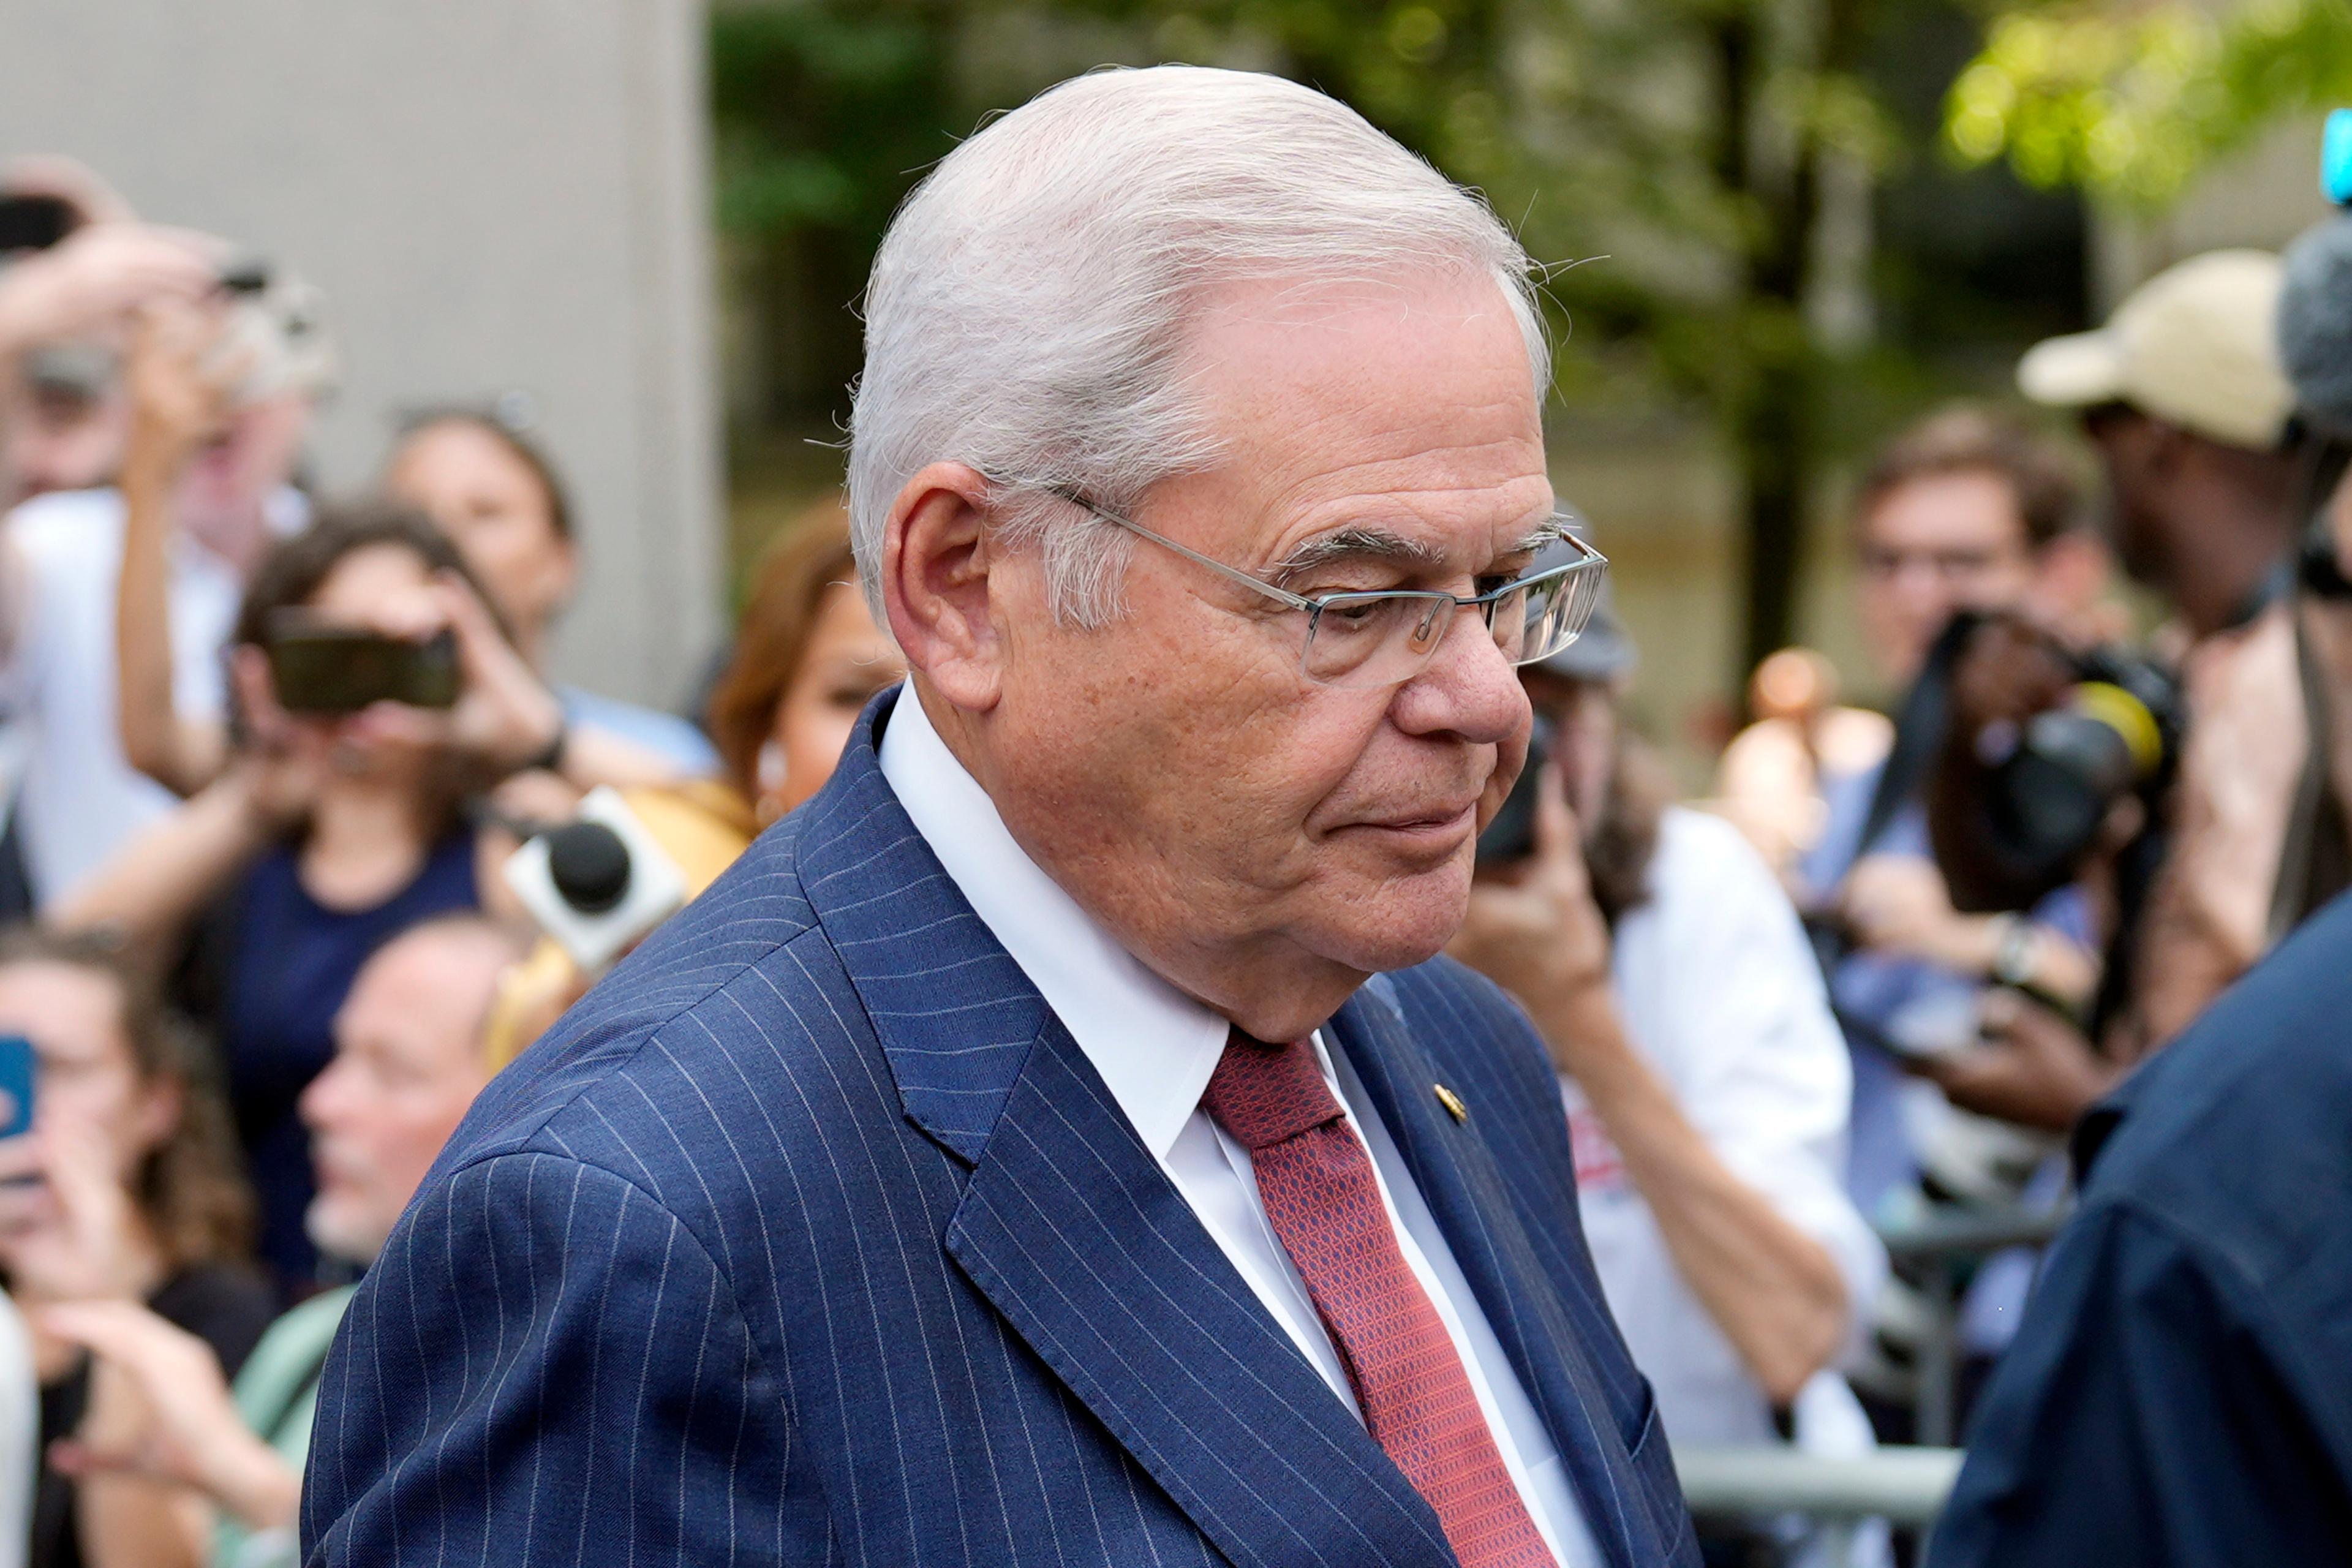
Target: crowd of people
point(268, 942)
point(258, 936)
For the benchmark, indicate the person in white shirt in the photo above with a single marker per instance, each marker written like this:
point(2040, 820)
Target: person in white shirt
point(80, 796)
point(1703, 1075)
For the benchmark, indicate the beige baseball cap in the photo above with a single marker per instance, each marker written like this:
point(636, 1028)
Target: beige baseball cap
point(2196, 346)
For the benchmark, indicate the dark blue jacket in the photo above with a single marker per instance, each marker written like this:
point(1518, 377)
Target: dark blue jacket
point(812, 1237)
point(2182, 1389)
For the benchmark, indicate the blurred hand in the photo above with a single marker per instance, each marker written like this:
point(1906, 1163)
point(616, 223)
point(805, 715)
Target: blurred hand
point(1899, 904)
point(71, 180)
point(183, 384)
point(159, 1410)
point(280, 763)
point(1534, 928)
point(158, 1406)
point(93, 280)
point(80, 1237)
point(2035, 1068)
point(505, 716)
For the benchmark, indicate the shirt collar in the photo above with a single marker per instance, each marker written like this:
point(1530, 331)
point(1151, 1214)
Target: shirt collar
point(1154, 1046)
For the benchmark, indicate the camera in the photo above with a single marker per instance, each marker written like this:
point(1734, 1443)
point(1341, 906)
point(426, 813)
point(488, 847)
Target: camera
point(598, 883)
point(2055, 777)
point(2037, 743)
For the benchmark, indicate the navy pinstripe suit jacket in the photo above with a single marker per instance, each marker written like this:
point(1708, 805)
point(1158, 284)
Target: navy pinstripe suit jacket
point(811, 1237)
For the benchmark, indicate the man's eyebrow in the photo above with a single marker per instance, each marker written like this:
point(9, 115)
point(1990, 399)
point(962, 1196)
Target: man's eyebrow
point(1359, 542)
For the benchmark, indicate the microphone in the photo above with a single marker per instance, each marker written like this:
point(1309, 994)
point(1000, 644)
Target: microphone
point(2315, 325)
point(2315, 319)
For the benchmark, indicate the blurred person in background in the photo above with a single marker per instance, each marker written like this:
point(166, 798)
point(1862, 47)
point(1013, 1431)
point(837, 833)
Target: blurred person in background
point(482, 478)
point(2188, 400)
point(67, 297)
point(2186, 397)
point(489, 490)
point(328, 833)
point(125, 1190)
point(807, 658)
point(1964, 512)
point(222, 1460)
point(220, 488)
point(1705, 1081)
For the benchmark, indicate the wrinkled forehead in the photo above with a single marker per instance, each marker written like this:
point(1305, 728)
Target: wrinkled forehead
point(424, 997)
point(1400, 409)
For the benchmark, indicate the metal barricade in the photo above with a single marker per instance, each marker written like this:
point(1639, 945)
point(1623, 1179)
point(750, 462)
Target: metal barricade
point(1938, 1250)
point(1905, 1486)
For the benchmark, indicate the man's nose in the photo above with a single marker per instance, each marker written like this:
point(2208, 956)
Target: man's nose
point(1468, 689)
point(317, 1106)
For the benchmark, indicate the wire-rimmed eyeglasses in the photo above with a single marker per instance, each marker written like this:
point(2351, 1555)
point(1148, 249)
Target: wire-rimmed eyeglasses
point(1387, 637)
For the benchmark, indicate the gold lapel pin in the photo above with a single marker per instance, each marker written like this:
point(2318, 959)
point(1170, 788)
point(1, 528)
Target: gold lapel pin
point(1452, 1102)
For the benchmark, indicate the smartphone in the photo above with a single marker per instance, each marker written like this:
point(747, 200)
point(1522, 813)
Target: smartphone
point(18, 1070)
point(33, 223)
point(1511, 836)
point(340, 669)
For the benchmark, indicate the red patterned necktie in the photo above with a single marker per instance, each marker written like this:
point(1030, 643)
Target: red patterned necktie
point(1318, 1189)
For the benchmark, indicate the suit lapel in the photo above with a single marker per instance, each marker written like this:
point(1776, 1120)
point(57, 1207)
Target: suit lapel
point(1072, 1231)
point(1076, 1234)
point(1457, 1177)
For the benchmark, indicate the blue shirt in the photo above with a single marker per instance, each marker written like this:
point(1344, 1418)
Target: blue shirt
point(686, 747)
point(1880, 991)
point(2182, 1389)
point(290, 962)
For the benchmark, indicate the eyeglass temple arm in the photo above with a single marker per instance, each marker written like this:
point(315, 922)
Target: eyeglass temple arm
point(1590, 557)
point(1281, 595)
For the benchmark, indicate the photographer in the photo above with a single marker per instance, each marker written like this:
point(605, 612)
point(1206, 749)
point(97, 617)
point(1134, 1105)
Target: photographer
point(2186, 1345)
point(2184, 395)
point(492, 494)
point(1962, 512)
point(337, 824)
point(1701, 1070)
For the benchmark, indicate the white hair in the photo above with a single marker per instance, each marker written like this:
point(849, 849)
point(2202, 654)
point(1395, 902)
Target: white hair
point(1028, 308)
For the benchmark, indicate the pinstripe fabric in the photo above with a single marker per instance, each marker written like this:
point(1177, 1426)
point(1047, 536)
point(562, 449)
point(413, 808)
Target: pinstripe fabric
point(811, 1237)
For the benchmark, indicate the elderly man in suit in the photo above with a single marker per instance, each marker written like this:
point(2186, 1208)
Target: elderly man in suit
point(1056, 1142)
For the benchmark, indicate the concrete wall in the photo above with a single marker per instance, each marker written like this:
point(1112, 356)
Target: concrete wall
point(493, 195)
point(2262, 197)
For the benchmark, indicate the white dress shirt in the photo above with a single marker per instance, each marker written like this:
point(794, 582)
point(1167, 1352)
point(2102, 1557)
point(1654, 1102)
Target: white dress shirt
point(82, 799)
point(1754, 1060)
point(1155, 1048)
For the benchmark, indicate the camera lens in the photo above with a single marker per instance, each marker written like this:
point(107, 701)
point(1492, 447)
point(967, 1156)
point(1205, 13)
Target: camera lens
point(589, 865)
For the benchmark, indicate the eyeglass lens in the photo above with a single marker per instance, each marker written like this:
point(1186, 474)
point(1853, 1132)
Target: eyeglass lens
point(1383, 638)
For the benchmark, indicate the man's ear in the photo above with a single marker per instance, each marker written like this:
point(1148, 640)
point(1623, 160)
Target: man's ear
point(936, 553)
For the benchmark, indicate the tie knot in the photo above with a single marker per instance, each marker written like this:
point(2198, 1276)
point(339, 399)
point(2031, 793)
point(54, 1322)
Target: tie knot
point(1262, 1094)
